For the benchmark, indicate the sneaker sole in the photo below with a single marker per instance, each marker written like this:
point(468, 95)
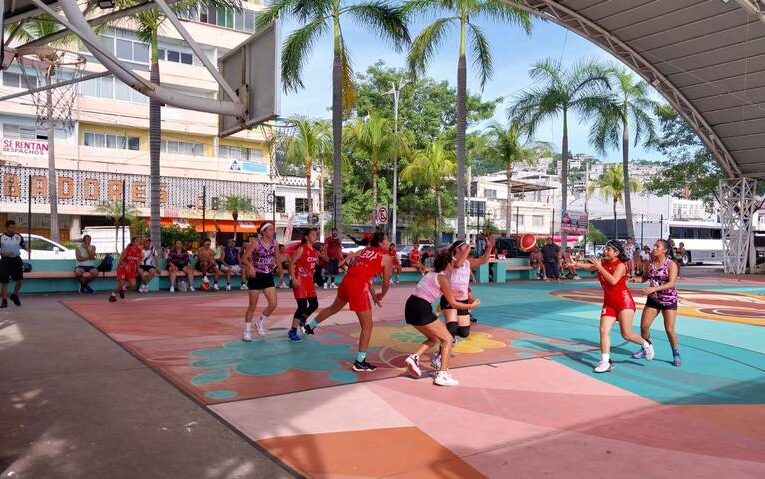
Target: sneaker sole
point(413, 370)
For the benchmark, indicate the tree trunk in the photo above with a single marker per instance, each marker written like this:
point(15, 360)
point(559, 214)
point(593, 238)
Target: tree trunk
point(564, 178)
point(509, 211)
point(308, 168)
point(321, 201)
point(461, 127)
point(625, 166)
point(117, 236)
point(616, 223)
point(55, 233)
point(374, 188)
point(337, 130)
point(155, 143)
point(438, 218)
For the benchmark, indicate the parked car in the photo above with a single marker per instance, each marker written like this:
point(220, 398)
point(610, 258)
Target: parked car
point(44, 248)
point(350, 247)
point(403, 253)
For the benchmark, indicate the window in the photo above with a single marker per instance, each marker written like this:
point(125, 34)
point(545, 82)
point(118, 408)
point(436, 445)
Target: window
point(301, 205)
point(490, 194)
point(112, 89)
point(173, 56)
point(187, 58)
point(115, 142)
point(125, 45)
point(716, 234)
point(223, 17)
point(183, 147)
point(28, 131)
point(41, 245)
point(280, 204)
point(537, 220)
point(240, 153)
point(18, 80)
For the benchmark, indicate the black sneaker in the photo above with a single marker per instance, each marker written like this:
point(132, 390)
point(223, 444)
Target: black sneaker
point(122, 293)
point(307, 329)
point(4, 304)
point(363, 366)
point(15, 299)
point(473, 319)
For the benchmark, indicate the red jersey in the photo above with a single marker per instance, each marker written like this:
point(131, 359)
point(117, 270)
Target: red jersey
point(617, 297)
point(393, 256)
point(305, 267)
point(368, 264)
point(414, 256)
point(333, 247)
point(129, 262)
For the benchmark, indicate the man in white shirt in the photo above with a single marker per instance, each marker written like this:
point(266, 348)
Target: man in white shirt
point(11, 266)
point(86, 270)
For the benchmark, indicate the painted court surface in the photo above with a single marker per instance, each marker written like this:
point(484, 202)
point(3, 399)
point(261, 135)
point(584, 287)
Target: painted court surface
point(528, 404)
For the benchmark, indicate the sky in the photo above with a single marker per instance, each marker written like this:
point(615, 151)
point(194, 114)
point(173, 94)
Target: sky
point(513, 53)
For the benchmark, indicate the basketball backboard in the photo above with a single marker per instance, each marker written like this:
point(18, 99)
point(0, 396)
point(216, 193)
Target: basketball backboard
point(253, 70)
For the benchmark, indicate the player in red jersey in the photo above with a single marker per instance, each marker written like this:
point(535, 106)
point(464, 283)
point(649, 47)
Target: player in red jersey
point(127, 270)
point(357, 291)
point(618, 304)
point(302, 268)
point(396, 264)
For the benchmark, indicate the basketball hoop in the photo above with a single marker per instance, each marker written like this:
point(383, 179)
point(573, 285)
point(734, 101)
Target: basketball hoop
point(45, 66)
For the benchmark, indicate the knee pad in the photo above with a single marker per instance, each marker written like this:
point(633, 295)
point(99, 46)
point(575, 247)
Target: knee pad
point(313, 305)
point(463, 331)
point(452, 328)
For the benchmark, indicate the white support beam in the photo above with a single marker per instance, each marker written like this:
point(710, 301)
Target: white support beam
point(738, 202)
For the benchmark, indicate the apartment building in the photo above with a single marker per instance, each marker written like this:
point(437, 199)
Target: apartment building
point(106, 150)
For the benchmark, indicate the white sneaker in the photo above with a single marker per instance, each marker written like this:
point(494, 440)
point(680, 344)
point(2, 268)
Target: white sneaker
point(247, 336)
point(333, 286)
point(577, 278)
point(443, 378)
point(172, 289)
point(215, 287)
point(326, 285)
point(649, 353)
point(243, 287)
point(191, 288)
point(228, 288)
point(413, 365)
point(604, 366)
point(436, 361)
point(260, 326)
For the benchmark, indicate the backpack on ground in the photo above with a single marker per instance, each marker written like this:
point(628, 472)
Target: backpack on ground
point(106, 264)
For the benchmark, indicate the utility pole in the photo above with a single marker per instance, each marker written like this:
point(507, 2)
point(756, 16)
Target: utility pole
point(396, 92)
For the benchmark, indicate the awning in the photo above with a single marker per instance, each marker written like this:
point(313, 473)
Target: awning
point(222, 226)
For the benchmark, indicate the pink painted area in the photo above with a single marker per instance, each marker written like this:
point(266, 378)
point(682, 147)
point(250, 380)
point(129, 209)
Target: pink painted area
point(339, 409)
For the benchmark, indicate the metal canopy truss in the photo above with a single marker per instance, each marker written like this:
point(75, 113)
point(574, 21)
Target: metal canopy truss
point(738, 202)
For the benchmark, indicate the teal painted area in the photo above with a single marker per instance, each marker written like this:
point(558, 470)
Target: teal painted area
point(482, 273)
point(722, 362)
point(223, 394)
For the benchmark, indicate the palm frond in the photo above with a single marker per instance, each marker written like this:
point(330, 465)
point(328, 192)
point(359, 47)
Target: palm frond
point(482, 62)
point(547, 71)
point(426, 43)
point(295, 52)
point(278, 9)
point(426, 8)
point(350, 94)
point(507, 13)
point(388, 22)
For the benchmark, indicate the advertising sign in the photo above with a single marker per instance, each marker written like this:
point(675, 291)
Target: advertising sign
point(574, 222)
point(25, 148)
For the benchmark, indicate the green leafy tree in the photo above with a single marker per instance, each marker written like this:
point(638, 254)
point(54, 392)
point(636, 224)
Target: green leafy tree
point(463, 14)
point(582, 89)
point(431, 169)
point(235, 205)
point(113, 210)
point(306, 147)
point(631, 110)
point(595, 235)
point(318, 17)
point(508, 150)
point(690, 170)
point(611, 187)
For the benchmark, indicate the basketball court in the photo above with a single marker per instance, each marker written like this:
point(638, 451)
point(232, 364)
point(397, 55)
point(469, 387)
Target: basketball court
point(528, 403)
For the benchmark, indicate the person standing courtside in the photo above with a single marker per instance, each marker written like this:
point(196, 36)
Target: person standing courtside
point(11, 266)
point(334, 250)
point(551, 259)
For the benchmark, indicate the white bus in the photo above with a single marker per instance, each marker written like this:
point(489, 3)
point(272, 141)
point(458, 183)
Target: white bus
point(702, 240)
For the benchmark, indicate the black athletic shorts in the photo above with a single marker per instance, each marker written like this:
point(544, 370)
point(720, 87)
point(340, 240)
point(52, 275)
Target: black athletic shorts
point(332, 267)
point(418, 312)
point(652, 303)
point(11, 269)
point(460, 312)
point(147, 267)
point(261, 281)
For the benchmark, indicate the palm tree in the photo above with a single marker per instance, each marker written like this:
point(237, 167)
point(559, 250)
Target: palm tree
point(148, 26)
point(462, 13)
point(235, 205)
point(583, 88)
point(507, 149)
point(376, 139)
point(431, 168)
point(113, 210)
point(305, 147)
point(317, 17)
point(632, 108)
point(611, 187)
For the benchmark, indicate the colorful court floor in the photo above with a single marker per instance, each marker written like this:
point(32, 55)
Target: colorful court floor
point(528, 404)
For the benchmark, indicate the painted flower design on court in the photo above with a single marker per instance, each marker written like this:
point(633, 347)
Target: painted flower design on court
point(406, 340)
point(266, 358)
point(478, 342)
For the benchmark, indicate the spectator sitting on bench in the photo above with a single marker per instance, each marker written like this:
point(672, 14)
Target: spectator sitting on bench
point(569, 265)
point(178, 261)
point(229, 262)
point(206, 263)
point(86, 271)
point(535, 261)
point(148, 267)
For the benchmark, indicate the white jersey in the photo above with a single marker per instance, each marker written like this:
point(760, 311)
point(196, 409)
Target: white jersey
point(459, 280)
point(12, 245)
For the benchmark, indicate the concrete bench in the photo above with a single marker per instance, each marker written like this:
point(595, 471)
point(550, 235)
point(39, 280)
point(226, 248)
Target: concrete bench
point(517, 267)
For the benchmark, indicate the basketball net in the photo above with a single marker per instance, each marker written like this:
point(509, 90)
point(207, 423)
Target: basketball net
point(45, 66)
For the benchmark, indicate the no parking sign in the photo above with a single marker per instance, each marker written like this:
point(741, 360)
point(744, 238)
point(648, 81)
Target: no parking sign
point(381, 215)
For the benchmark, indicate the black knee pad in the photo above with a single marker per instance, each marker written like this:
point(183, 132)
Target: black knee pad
point(452, 328)
point(463, 331)
point(301, 309)
point(313, 305)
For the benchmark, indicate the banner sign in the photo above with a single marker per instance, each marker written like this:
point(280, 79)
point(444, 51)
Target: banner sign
point(25, 148)
point(241, 166)
point(574, 222)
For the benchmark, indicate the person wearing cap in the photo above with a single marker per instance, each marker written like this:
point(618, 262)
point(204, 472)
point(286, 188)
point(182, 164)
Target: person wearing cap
point(618, 304)
point(260, 258)
point(11, 265)
point(458, 320)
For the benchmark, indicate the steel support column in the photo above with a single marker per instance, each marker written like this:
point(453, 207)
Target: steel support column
point(738, 203)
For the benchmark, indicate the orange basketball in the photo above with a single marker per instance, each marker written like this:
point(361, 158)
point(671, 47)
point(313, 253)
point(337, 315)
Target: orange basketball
point(526, 242)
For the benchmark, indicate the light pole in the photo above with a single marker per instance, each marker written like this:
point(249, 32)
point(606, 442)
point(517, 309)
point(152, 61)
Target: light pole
point(396, 92)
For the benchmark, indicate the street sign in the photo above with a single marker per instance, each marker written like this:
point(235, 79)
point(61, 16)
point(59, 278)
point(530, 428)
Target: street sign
point(381, 215)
